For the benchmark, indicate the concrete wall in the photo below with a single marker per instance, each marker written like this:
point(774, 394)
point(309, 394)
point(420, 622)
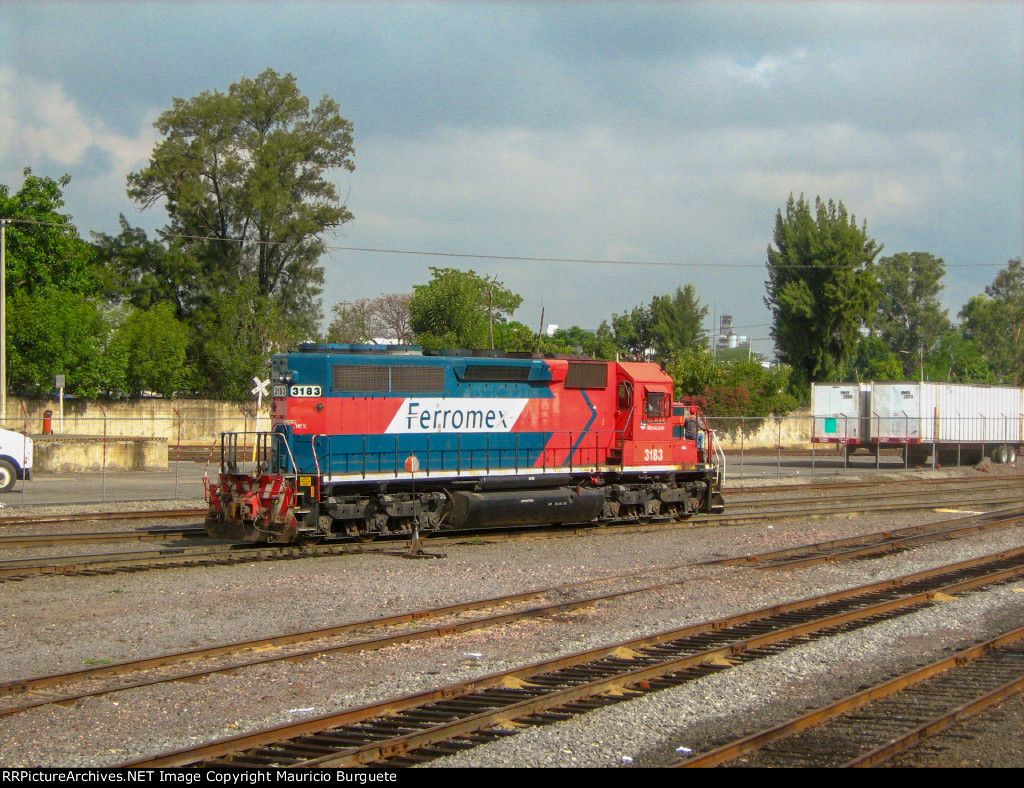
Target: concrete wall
point(59, 454)
point(792, 431)
point(193, 422)
point(196, 422)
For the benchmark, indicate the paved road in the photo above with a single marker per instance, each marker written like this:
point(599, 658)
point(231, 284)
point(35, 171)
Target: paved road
point(182, 481)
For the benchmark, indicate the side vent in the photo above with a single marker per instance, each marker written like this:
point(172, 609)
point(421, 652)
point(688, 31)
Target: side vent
point(587, 375)
point(481, 372)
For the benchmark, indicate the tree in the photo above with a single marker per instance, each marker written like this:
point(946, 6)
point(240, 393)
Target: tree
point(1008, 289)
point(385, 317)
point(240, 332)
point(872, 360)
point(634, 332)
point(994, 323)
point(392, 319)
point(821, 287)
point(352, 323)
point(515, 337)
point(986, 325)
point(130, 268)
point(743, 388)
point(599, 344)
point(154, 345)
point(242, 177)
point(956, 359)
point(457, 309)
point(43, 246)
point(59, 332)
point(910, 316)
point(677, 321)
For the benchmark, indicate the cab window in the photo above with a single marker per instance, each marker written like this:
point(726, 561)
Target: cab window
point(656, 405)
point(625, 398)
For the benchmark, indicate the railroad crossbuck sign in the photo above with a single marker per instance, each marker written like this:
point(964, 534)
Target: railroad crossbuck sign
point(259, 390)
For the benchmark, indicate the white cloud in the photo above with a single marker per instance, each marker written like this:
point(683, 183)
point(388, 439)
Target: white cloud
point(41, 127)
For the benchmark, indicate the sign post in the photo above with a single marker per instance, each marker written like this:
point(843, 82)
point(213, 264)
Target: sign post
point(59, 383)
point(412, 465)
point(260, 390)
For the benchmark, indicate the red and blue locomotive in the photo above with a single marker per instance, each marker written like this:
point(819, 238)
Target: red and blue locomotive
point(369, 440)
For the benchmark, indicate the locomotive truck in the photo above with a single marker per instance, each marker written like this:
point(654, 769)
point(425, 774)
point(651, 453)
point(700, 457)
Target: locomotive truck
point(367, 441)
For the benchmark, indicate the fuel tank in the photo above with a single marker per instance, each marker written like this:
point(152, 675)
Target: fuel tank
point(525, 507)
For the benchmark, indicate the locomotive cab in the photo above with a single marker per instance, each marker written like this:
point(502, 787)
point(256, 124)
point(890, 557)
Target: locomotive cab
point(645, 420)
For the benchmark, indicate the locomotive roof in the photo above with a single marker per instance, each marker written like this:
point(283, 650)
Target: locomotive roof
point(417, 350)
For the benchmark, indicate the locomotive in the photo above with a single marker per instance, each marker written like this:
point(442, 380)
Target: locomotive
point(367, 441)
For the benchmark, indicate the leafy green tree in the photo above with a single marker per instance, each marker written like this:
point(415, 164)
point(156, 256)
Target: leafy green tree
point(677, 321)
point(352, 323)
point(60, 332)
point(44, 249)
point(599, 344)
point(985, 323)
point(242, 178)
point(994, 323)
point(872, 360)
point(154, 345)
point(458, 309)
point(515, 337)
point(821, 287)
point(910, 316)
point(956, 359)
point(130, 268)
point(694, 371)
point(241, 331)
point(634, 332)
point(744, 388)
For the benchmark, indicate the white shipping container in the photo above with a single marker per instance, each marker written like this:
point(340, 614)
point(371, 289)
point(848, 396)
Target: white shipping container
point(946, 413)
point(836, 408)
point(896, 412)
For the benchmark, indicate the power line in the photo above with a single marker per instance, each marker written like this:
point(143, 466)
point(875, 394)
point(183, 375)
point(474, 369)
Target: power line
point(484, 256)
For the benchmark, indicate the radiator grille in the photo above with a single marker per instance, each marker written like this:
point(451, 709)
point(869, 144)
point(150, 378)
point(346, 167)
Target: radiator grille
point(376, 379)
point(586, 375)
point(416, 379)
point(496, 372)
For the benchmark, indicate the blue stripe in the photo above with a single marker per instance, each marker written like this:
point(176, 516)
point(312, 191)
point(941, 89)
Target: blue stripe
point(593, 415)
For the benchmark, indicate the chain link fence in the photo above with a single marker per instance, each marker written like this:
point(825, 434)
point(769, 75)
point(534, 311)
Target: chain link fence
point(106, 456)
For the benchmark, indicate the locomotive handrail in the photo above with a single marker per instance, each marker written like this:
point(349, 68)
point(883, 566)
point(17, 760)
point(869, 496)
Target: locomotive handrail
point(367, 456)
point(719, 454)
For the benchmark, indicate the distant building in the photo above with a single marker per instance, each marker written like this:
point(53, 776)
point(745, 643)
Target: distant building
point(726, 338)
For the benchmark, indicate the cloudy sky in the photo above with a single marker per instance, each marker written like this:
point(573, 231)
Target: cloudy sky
point(660, 133)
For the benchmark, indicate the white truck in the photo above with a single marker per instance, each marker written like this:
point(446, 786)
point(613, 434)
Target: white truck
point(15, 458)
point(954, 422)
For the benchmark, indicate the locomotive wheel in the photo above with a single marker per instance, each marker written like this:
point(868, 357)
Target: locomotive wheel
point(364, 537)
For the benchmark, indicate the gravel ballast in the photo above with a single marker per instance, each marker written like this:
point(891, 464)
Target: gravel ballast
point(60, 623)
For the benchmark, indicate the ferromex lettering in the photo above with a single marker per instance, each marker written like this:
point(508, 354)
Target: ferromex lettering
point(463, 414)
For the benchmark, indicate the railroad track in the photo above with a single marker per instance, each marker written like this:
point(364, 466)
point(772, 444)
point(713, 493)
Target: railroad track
point(877, 723)
point(23, 694)
point(929, 485)
point(221, 554)
point(444, 720)
point(864, 490)
point(43, 519)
